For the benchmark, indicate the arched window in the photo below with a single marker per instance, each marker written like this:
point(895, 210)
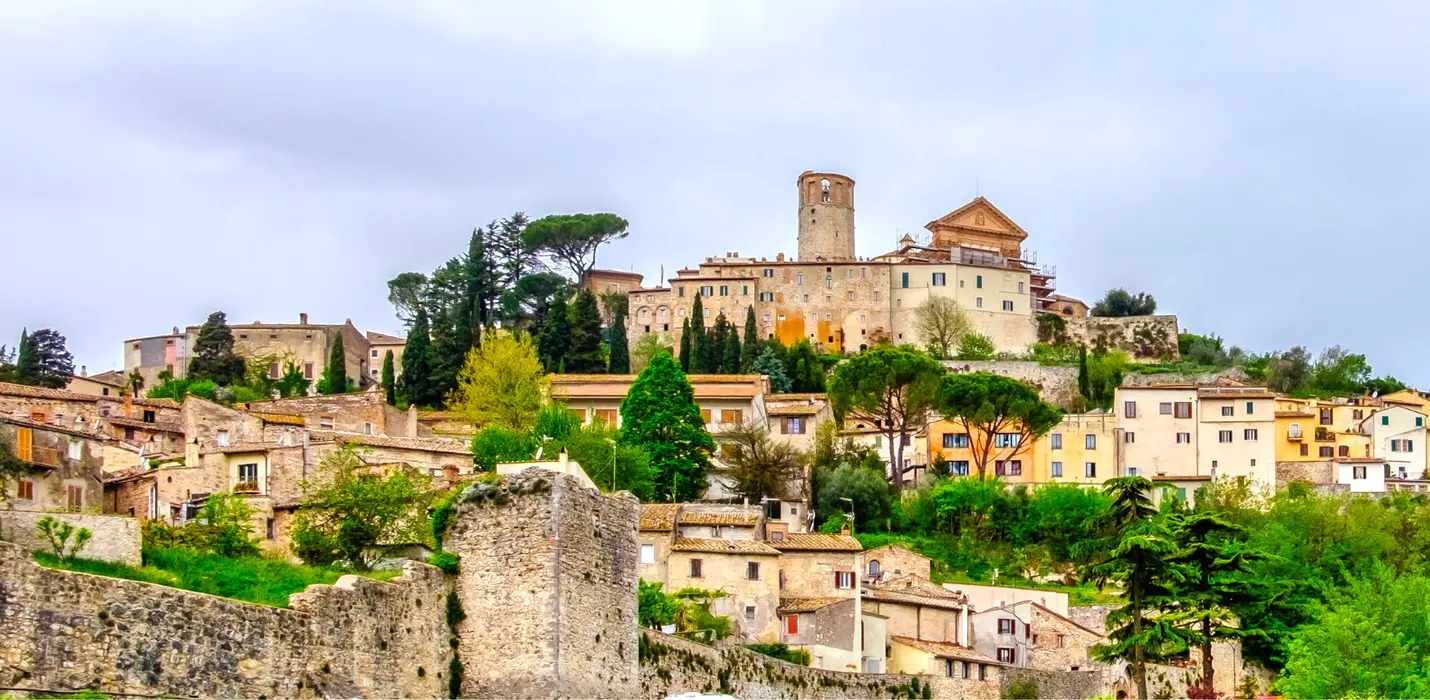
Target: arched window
point(824, 195)
point(874, 567)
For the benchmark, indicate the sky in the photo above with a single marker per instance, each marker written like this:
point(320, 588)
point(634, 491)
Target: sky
point(1260, 168)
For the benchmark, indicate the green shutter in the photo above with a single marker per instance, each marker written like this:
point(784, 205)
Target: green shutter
point(906, 280)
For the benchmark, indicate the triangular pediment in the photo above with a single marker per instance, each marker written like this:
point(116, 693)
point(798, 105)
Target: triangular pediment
point(981, 215)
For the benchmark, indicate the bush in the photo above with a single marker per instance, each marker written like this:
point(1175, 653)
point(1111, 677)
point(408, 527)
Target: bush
point(1022, 689)
point(782, 652)
point(224, 527)
point(58, 533)
point(448, 562)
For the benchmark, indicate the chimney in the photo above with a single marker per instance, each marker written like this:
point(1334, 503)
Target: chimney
point(563, 459)
point(128, 405)
point(83, 372)
point(412, 421)
point(303, 319)
point(176, 331)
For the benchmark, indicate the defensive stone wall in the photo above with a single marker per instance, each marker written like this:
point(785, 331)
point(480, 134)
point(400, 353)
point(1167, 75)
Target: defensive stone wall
point(671, 666)
point(66, 631)
point(113, 538)
point(1056, 384)
point(1142, 337)
point(1051, 684)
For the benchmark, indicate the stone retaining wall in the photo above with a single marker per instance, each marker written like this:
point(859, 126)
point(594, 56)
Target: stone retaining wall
point(114, 538)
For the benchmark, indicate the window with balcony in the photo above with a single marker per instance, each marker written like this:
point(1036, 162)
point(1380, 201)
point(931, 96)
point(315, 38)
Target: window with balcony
point(1294, 431)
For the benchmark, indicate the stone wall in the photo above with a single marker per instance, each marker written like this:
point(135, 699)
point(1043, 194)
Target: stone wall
point(671, 666)
point(114, 538)
point(1054, 684)
point(1056, 384)
point(1142, 337)
point(1311, 472)
point(1235, 374)
point(548, 584)
point(68, 631)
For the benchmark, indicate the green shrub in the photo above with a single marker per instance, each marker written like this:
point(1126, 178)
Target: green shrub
point(448, 562)
point(455, 613)
point(58, 533)
point(782, 652)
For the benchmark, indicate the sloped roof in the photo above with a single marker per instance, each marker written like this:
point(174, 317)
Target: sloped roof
point(156, 426)
point(947, 650)
point(658, 517)
point(816, 542)
point(39, 392)
point(885, 596)
point(721, 546)
point(384, 339)
point(688, 517)
point(401, 443)
point(979, 202)
point(278, 418)
point(799, 605)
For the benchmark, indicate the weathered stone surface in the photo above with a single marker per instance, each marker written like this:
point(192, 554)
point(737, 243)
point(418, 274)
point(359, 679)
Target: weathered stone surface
point(113, 538)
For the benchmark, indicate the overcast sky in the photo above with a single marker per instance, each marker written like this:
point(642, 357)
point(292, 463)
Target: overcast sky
point(1261, 169)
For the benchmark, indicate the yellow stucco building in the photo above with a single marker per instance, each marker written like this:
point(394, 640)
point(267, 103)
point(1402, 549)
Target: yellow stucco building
point(1312, 430)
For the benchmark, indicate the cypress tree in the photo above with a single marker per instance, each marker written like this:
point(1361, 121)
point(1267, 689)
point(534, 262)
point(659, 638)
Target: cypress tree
point(214, 357)
point(699, 343)
point(716, 344)
point(43, 360)
point(685, 345)
point(389, 379)
point(335, 374)
point(415, 387)
point(555, 335)
point(751, 351)
point(730, 364)
point(27, 366)
point(583, 354)
point(620, 349)
point(1084, 382)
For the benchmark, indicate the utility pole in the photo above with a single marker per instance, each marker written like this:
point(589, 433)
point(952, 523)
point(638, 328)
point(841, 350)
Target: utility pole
point(858, 602)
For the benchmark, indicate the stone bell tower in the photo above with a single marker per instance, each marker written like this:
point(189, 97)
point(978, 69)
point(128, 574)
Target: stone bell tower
point(826, 217)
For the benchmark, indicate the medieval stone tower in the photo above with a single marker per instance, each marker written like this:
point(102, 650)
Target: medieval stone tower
point(826, 217)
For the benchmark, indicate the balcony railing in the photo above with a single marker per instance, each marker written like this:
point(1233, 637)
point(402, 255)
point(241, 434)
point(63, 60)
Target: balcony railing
point(1295, 435)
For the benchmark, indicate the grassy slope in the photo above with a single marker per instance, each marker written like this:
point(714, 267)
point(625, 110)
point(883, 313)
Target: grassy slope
point(253, 579)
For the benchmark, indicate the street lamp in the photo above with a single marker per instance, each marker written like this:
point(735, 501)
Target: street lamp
point(858, 598)
point(613, 464)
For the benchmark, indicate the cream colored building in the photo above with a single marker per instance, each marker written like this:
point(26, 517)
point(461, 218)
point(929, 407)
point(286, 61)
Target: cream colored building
point(1397, 435)
point(1078, 450)
point(921, 657)
point(1185, 430)
point(1236, 433)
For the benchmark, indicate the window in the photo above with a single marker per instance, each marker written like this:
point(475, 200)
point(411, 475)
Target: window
point(792, 426)
point(1062, 638)
point(75, 497)
point(1305, 450)
point(1250, 408)
point(1089, 470)
point(707, 290)
point(963, 669)
point(1343, 451)
point(1011, 467)
point(844, 580)
point(874, 567)
point(1183, 408)
point(248, 475)
point(1184, 438)
point(1357, 414)
point(791, 622)
point(779, 535)
point(1164, 408)
point(270, 529)
point(849, 296)
point(307, 370)
point(878, 296)
point(273, 369)
point(1057, 440)
point(1402, 445)
point(731, 416)
point(1057, 470)
point(1223, 436)
point(905, 280)
point(680, 292)
point(695, 565)
point(76, 449)
point(1007, 439)
point(1294, 431)
point(647, 554)
point(128, 433)
point(1249, 434)
point(1129, 437)
point(978, 302)
point(750, 612)
point(939, 279)
point(982, 672)
point(768, 272)
point(1134, 471)
point(752, 570)
point(1007, 625)
point(724, 290)
point(955, 440)
point(958, 468)
point(1357, 472)
point(326, 422)
point(1089, 442)
point(25, 490)
point(1007, 305)
point(978, 281)
point(1228, 410)
point(367, 428)
point(705, 416)
point(1326, 452)
point(1384, 420)
point(767, 296)
point(149, 417)
point(221, 437)
point(1419, 422)
point(1020, 287)
point(800, 278)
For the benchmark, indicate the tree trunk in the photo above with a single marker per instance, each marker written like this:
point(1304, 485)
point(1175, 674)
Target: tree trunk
point(896, 460)
point(1207, 670)
point(1139, 666)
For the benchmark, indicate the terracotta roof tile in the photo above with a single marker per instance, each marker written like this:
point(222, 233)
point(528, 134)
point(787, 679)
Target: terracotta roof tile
point(402, 443)
point(278, 418)
point(717, 546)
point(156, 426)
point(912, 599)
point(698, 518)
point(816, 542)
point(38, 392)
point(946, 650)
point(658, 517)
point(799, 605)
point(384, 339)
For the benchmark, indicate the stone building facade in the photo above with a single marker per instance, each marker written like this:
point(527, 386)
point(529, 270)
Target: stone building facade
point(746, 571)
point(64, 467)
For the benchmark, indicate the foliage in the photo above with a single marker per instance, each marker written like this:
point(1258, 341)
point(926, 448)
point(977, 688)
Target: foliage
point(695, 619)
point(1119, 302)
point(293, 383)
point(646, 346)
point(1023, 688)
point(11, 466)
point(870, 493)
point(572, 239)
point(805, 368)
point(448, 562)
point(335, 374)
point(770, 365)
point(229, 518)
point(389, 379)
point(524, 306)
point(416, 387)
point(799, 657)
point(942, 324)
point(583, 345)
point(655, 608)
point(699, 340)
point(57, 534)
point(1216, 578)
point(596, 448)
point(1052, 328)
point(1206, 350)
point(555, 422)
point(555, 335)
point(1099, 375)
point(753, 348)
point(42, 360)
point(686, 339)
point(760, 466)
point(213, 355)
point(892, 388)
point(501, 383)
point(495, 444)
point(986, 405)
point(731, 353)
point(347, 511)
point(659, 415)
point(975, 347)
point(620, 352)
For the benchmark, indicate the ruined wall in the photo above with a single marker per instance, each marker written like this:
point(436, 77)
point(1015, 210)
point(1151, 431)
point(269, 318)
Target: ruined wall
point(1056, 384)
point(1142, 337)
point(113, 538)
point(1054, 684)
point(67, 631)
point(1312, 472)
point(671, 666)
point(559, 619)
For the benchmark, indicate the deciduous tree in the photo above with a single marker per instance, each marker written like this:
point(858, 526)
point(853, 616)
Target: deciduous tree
point(942, 324)
point(348, 510)
point(892, 389)
point(760, 466)
point(659, 415)
point(990, 407)
point(646, 346)
point(1119, 302)
point(501, 384)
